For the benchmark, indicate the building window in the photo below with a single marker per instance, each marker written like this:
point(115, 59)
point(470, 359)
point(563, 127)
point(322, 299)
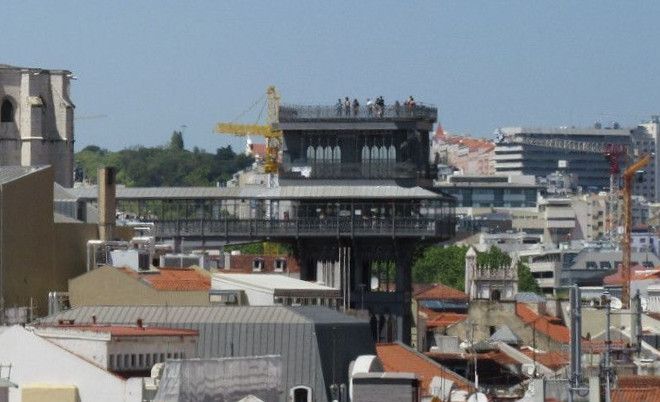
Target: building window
point(127, 361)
point(257, 264)
point(141, 360)
point(279, 265)
point(132, 360)
point(111, 362)
point(301, 393)
point(6, 111)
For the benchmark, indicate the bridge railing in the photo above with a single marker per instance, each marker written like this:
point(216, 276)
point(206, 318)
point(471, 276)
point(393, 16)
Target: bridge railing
point(331, 226)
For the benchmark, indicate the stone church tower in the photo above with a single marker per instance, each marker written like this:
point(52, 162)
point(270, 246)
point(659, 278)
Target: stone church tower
point(490, 283)
point(36, 120)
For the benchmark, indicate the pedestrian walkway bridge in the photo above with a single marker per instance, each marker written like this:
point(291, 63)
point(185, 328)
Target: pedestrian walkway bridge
point(286, 212)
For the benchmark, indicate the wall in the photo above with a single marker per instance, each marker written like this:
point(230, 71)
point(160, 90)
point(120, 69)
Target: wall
point(486, 314)
point(38, 255)
point(109, 286)
point(27, 240)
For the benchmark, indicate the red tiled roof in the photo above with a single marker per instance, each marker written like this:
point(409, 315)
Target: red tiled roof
point(441, 319)
point(258, 150)
point(124, 330)
point(597, 346)
point(441, 292)
point(551, 360)
point(495, 356)
point(398, 358)
point(544, 324)
point(637, 273)
point(173, 279)
point(636, 394)
point(638, 381)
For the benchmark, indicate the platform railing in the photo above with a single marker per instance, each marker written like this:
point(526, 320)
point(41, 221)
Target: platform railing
point(442, 227)
point(290, 113)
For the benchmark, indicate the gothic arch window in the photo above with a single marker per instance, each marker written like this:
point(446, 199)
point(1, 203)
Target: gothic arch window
point(496, 295)
point(6, 111)
point(310, 153)
point(301, 393)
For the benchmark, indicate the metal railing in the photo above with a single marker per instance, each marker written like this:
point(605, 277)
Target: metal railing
point(318, 227)
point(290, 113)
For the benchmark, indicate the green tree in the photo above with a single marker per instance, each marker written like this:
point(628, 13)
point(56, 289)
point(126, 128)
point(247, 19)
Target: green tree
point(441, 264)
point(176, 142)
point(526, 282)
point(494, 258)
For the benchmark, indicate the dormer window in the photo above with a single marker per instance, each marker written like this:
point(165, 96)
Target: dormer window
point(279, 265)
point(257, 264)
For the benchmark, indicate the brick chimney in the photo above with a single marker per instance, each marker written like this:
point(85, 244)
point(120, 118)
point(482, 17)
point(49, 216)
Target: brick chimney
point(106, 202)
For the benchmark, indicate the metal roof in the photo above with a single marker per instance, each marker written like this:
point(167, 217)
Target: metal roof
point(11, 173)
point(283, 192)
point(566, 131)
point(310, 339)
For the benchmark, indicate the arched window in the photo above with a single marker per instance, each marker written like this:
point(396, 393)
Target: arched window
point(319, 153)
point(365, 154)
point(336, 154)
point(300, 393)
point(310, 153)
point(6, 111)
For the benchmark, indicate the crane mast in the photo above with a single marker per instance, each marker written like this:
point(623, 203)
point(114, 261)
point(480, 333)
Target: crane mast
point(612, 152)
point(628, 176)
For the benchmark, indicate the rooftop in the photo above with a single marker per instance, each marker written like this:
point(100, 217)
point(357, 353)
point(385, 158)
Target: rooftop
point(270, 281)
point(547, 325)
point(635, 394)
point(551, 360)
point(443, 319)
point(282, 192)
point(440, 291)
point(172, 279)
point(119, 331)
point(295, 113)
point(396, 357)
point(565, 131)
point(11, 173)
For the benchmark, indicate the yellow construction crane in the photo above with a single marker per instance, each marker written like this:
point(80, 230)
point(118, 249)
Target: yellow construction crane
point(270, 132)
point(628, 176)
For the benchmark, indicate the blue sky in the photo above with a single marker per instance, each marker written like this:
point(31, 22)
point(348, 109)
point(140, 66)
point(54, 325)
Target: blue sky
point(153, 66)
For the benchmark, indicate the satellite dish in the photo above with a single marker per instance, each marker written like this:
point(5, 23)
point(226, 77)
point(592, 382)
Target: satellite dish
point(374, 283)
point(477, 397)
point(616, 303)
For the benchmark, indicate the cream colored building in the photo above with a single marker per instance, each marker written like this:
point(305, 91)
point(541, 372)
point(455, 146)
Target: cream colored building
point(112, 286)
point(37, 255)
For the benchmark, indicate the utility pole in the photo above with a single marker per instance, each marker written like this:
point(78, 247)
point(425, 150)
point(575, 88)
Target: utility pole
point(608, 346)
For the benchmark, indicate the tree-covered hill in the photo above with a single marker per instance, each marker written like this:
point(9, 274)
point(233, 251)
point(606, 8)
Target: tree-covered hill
point(169, 165)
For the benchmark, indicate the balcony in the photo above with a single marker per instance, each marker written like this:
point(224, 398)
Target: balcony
point(298, 113)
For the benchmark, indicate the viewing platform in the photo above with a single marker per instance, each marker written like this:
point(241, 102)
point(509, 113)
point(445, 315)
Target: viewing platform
point(302, 113)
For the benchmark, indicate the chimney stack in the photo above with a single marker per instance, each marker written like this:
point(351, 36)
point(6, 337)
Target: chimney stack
point(106, 202)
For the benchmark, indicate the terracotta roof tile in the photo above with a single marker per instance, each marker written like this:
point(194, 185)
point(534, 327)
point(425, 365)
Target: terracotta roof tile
point(173, 279)
point(599, 346)
point(441, 292)
point(637, 273)
point(638, 381)
point(636, 395)
point(441, 319)
point(551, 360)
point(398, 358)
point(544, 324)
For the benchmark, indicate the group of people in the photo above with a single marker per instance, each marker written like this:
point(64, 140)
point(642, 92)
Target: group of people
point(375, 107)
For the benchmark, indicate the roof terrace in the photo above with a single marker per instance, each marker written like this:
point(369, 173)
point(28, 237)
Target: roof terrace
point(302, 113)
